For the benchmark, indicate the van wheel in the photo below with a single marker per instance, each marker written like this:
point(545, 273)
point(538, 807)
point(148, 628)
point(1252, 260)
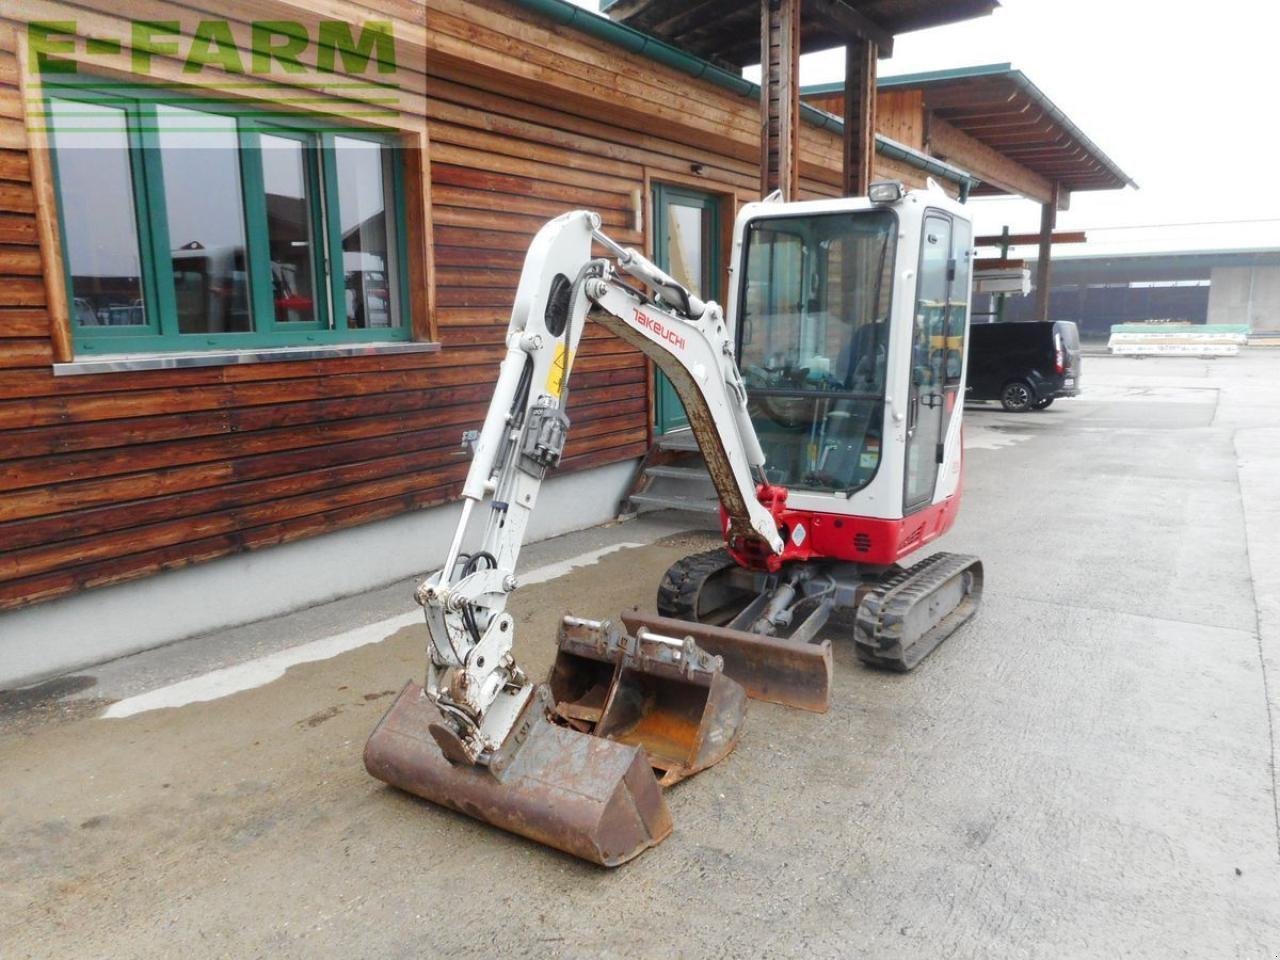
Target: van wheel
point(1042, 404)
point(1016, 396)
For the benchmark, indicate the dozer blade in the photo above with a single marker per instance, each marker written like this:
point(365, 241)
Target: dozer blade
point(594, 798)
point(902, 620)
point(768, 668)
point(656, 691)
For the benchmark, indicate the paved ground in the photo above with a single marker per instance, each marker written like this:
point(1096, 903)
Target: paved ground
point(1087, 770)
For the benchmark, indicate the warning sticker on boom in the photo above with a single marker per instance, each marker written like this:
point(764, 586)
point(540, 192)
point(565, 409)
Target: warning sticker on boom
point(559, 372)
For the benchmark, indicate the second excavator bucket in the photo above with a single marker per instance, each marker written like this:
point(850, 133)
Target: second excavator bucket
point(594, 798)
point(659, 692)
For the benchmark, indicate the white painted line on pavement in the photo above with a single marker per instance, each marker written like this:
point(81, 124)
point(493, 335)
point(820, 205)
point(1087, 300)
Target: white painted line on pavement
point(263, 670)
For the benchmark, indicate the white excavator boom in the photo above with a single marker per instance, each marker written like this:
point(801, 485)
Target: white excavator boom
point(472, 676)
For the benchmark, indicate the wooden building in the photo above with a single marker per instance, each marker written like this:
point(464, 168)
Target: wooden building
point(254, 281)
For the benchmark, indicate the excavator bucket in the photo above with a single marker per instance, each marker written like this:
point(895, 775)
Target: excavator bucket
point(659, 692)
point(776, 669)
point(591, 797)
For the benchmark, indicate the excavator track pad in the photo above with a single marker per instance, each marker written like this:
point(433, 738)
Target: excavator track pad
point(902, 619)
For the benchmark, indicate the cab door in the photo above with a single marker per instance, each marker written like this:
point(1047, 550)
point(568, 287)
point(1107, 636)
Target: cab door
point(937, 352)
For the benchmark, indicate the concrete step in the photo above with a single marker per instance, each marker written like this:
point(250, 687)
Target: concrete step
point(671, 501)
point(679, 440)
point(694, 474)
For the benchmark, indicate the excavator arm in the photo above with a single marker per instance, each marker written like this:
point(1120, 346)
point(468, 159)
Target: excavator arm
point(472, 677)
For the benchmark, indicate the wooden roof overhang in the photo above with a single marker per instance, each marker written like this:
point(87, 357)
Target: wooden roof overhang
point(998, 106)
point(728, 31)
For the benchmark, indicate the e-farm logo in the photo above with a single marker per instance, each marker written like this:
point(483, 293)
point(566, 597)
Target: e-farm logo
point(274, 59)
point(273, 45)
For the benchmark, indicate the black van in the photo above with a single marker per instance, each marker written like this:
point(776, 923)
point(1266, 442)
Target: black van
point(1025, 366)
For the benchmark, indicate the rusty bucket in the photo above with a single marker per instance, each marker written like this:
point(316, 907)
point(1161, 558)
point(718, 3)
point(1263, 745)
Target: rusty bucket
point(591, 797)
point(655, 691)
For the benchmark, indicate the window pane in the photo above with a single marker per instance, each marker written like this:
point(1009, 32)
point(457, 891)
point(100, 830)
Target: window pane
point(204, 205)
point(684, 245)
point(365, 246)
point(813, 343)
point(98, 215)
point(284, 174)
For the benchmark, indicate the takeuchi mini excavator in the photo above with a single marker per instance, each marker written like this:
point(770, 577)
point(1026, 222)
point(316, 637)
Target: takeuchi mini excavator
point(827, 405)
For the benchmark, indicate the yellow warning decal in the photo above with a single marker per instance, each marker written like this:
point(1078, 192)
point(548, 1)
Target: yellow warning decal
point(559, 370)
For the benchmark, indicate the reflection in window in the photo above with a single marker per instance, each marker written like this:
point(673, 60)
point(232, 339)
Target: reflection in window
point(813, 344)
point(928, 355)
point(958, 303)
point(289, 229)
point(99, 229)
point(191, 223)
point(361, 199)
point(684, 245)
point(204, 204)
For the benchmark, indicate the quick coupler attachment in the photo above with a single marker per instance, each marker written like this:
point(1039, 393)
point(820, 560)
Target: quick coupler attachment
point(768, 668)
point(657, 691)
point(590, 797)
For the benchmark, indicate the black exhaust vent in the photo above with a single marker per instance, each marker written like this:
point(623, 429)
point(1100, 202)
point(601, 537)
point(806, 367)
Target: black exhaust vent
point(862, 542)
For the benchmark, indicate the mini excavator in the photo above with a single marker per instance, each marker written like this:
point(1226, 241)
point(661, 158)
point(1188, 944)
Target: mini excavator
point(827, 405)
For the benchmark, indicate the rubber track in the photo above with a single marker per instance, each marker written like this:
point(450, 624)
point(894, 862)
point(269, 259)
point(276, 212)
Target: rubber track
point(883, 611)
point(678, 592)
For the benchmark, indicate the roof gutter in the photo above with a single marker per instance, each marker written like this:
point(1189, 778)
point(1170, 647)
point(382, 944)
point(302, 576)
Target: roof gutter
point(635, 41)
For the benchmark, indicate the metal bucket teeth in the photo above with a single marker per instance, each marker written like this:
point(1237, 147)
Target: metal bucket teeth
point(594, 798)
point(660, 692)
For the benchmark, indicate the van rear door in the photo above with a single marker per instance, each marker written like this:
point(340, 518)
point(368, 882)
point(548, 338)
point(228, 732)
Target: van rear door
point(1066, 337)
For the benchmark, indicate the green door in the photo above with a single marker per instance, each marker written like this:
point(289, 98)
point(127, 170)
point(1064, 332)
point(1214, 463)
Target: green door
point(686, 244)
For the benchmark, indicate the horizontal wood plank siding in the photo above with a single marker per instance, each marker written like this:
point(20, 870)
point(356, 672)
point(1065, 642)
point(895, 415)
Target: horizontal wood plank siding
point(105, 478)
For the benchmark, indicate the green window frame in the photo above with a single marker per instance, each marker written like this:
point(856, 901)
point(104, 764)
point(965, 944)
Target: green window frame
point(329, 277)
point(668, 411)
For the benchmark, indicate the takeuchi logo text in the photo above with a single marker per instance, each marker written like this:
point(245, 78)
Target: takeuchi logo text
point(660, 330)
point(262, 48)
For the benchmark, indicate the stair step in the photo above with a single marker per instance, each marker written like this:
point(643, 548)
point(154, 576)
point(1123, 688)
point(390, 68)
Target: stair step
point(673, 502)
point(679, 440)
point(678, 473)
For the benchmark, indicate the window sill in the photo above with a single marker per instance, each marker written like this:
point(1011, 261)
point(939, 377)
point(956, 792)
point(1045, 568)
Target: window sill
point(129, 362)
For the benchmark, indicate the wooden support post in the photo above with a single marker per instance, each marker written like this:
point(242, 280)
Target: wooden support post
point(31, 92)
point(859, 116)
point(1048, 220)
point(780, 97)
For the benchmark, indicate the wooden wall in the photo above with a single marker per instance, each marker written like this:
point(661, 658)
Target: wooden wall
point(109, 477)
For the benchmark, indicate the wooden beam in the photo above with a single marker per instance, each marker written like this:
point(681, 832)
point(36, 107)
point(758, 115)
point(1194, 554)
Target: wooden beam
point(1021, 239)
point(1048, 219)
point(421, 240)
point(46, 202)
point(854, 24)
point(859, 116)
point(988, 165)
point(780, 97)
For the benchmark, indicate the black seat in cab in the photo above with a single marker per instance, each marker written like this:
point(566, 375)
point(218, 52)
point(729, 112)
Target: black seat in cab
point(1025, 366)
